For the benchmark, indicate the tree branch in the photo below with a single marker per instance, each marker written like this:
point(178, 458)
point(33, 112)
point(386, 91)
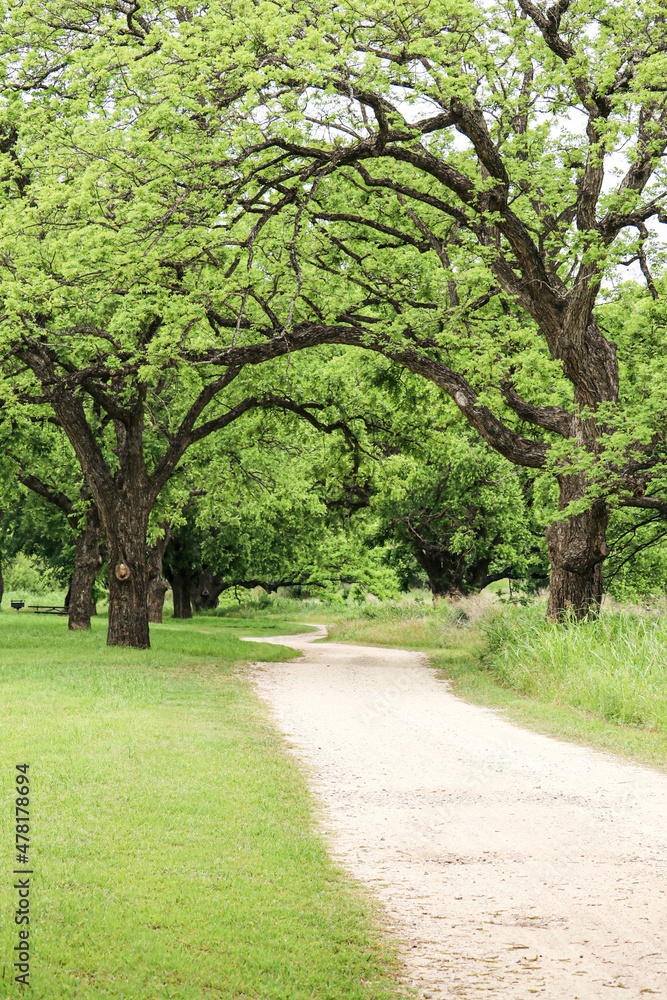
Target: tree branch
point(56, 497)
point(550, 418)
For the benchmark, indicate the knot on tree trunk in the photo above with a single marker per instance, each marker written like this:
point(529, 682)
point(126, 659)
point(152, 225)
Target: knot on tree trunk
point(122, 571)
point(580, 555)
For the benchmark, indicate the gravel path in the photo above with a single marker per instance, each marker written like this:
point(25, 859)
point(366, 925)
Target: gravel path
point(510, 864)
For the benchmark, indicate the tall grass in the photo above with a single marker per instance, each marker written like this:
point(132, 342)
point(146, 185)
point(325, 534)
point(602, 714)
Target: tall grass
point(413, 623)
point(615, 667)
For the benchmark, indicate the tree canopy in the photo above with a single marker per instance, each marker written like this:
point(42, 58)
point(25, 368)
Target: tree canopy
point(468, 179)
point(192, 193)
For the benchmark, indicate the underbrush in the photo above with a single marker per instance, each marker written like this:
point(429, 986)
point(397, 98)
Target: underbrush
point(615, 667)
point(332, 606)
point(414, 623)
point(262, 606)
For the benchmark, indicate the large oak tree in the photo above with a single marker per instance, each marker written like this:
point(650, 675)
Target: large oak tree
point(122, 313)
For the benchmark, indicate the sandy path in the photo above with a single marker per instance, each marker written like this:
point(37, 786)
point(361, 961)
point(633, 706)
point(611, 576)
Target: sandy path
point(510, 864)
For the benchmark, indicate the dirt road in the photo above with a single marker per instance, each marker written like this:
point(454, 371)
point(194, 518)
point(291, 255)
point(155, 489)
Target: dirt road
point(510, 864)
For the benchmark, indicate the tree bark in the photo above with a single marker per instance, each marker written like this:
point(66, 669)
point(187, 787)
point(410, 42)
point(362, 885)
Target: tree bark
point(124, 501)
point(79, 601)
point(180, 584)
point(128, 579)
point(205, 590)
point(445, 578)
point(157, 586)
point(577, 548)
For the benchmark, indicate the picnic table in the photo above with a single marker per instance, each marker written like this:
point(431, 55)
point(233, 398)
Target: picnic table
point(47, 609)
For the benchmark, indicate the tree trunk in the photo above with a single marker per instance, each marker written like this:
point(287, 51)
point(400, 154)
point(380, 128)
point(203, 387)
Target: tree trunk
point(128, 579)
point(445, 576)
point(180, 584)
point(157, 586)
point(577, 549)
point(79, 600)
point(205, 591)
point(2, 584)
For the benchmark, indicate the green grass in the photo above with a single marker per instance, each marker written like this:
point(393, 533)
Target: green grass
point(260, 626)
point(609, 672)
point(174, 846)
point(474, 682)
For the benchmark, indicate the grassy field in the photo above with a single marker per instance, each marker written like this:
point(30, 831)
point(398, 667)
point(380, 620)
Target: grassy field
point(173, 841)
point(601, 683)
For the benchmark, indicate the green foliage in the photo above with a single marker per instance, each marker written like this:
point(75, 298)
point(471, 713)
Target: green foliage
point(643, 578)
point(460, 511)
point(35, 528)
point(636, 570)
point(27, 575)
point(149, 228)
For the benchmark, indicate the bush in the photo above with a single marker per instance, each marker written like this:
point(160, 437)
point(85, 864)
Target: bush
point(27, 575)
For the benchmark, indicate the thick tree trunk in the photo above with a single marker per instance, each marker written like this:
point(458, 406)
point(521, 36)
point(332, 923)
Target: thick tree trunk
point(157, 586)
point(205, 591)
point(124, 499)
point(577, 549)
point(445, 576)
point(128, 579)
point(79, 600)
point(181, 584)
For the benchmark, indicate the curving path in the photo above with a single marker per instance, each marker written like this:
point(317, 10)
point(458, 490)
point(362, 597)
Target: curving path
point(510, 865)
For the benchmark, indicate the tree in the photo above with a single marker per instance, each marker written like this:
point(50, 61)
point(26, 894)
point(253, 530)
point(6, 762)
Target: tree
point(436, 494)
point(462, 517)
point(86, 530)
point(638, 561)
point(173, 207)
point(275, 510)
point(39, 456)
point(157, 586)
point(480, 147)
point(635, 318)
point(125, 324)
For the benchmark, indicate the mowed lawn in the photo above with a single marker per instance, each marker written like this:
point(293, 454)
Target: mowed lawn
point(174, 847)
